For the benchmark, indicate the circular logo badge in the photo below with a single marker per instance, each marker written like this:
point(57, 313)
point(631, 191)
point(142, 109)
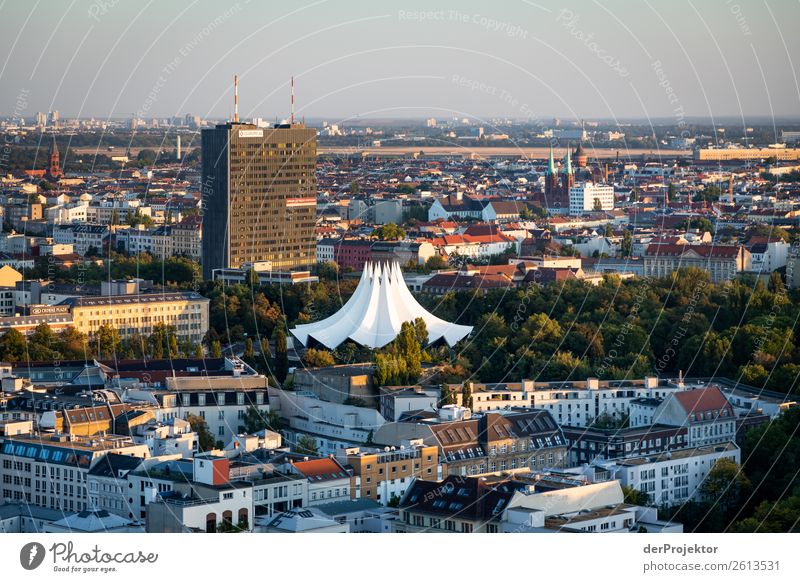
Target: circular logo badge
point(31, 555)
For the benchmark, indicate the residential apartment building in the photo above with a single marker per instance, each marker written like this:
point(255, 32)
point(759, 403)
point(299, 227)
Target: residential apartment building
point(328, 481)
point(705, 412)
point(181, 239)
point(489, 397)
point(580, 403)
point(589, 444)
point(383, 475)
point(673, 477)
point(53, 472)
point(455, 504)
point(82, 237)
point(523, 503)
point(209, 503)
point(493, 443)
point(222, 401)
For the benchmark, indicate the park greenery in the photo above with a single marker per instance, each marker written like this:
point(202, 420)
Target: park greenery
point(744, 329)
point(760, 496)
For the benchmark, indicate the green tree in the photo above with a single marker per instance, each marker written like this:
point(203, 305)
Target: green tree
point(672, 193)
point(173, 346)
point(249, 351)
point(775, 284)
point(314, 358)
point(328, 271)
point(627, 243)
point(466, 394)
point(446, 396)
point(42, 344)
point(306, 445)
point(410, 351)
point(216, 349)
point(73, 345)
point(726, 484)
point(710, 193)
point(435, 263)
point(635, 497)
point(701, 224)
point(421, 331)
point(205, 440)
point(390, 231)
point(146, 157)
point(274, 421)
point(281, 355)
point(108, 341)
point(13, 346)
point(254, 421)
point(266, 352)
point(782, 516)
point(251, 278)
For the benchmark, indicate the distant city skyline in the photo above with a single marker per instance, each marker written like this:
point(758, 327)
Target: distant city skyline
point(522, 60)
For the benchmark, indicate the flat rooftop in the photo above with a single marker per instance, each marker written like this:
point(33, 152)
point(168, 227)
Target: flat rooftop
point(677, 454)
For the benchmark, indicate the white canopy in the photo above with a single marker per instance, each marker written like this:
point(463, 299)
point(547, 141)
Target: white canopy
point(372, 317)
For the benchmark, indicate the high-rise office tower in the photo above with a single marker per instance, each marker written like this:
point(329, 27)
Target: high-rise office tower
point(259, 196)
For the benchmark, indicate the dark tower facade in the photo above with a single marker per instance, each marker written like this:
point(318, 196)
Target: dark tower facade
point(54, 169)
point(259, 196)
point(556, 186)
point(580, 156)
point(568, 177)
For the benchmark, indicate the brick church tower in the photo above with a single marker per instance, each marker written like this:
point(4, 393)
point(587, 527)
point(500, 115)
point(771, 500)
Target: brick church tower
point(54, 170)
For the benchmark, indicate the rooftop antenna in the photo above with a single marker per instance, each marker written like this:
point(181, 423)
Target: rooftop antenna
point(292, 118)
point(236, 98)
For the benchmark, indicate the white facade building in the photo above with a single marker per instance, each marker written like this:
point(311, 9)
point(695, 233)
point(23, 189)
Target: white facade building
point(584, 197)
point(673, 477)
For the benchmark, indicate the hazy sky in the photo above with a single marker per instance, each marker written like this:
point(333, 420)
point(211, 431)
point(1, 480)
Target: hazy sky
point(516, 58)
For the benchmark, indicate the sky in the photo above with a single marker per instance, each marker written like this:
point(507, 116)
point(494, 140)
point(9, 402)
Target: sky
point(529, 60)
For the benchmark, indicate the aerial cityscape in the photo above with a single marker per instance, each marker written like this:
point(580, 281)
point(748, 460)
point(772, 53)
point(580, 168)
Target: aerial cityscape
point(338, 275)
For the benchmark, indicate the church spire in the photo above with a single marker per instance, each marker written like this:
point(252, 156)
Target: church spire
point(568, 162)
point(551, 165)
point(54, 171)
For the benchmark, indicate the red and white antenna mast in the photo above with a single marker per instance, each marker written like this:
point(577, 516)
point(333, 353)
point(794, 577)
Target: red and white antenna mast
point(236, 98)
point(292, 118)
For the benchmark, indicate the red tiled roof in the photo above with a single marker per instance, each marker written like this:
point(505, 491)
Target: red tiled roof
point(703, 400)
point(321, 469)
point(507, 270)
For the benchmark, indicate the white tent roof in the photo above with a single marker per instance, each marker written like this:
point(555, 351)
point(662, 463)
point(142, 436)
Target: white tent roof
point(374, 314)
